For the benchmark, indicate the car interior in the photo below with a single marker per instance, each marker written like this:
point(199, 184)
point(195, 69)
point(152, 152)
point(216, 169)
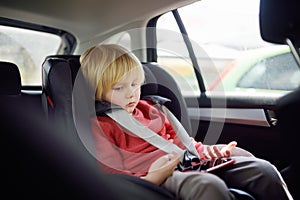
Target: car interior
point(47, 143)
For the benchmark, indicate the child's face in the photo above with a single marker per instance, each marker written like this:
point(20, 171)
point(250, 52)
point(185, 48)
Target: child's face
point(126, 92)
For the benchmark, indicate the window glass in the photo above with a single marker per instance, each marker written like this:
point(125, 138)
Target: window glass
point(173, 55)
point(27, 49)
point(274, 71)
point(231, 53)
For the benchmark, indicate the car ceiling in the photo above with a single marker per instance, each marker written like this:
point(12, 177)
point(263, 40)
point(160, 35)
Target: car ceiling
point(87, 19)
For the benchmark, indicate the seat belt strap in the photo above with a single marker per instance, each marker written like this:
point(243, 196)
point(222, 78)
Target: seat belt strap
point(128, 122)
point(180, 131)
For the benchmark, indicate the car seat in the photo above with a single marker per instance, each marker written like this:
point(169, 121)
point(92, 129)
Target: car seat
point(158, 82)
point(60, 73)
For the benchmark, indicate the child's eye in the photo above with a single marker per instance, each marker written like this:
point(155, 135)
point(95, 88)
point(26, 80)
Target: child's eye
point(135, 84)
point(117, 88)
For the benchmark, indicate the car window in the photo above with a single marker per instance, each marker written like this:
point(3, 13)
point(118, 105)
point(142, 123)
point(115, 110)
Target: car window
point(27, 49)
point(226, 38)
point(172, 54)
point(271, 73)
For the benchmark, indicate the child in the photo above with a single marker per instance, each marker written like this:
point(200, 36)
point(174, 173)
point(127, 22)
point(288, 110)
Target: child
point(115, 76)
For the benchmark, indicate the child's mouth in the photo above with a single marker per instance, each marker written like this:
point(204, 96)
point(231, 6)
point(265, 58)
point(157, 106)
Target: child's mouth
point(131, 104)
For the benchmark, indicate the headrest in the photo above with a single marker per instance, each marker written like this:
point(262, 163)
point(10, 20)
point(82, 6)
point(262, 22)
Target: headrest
point(279, 20)
point(57, 80)
point(73, 61)
point(10, 79)
point(150, 87)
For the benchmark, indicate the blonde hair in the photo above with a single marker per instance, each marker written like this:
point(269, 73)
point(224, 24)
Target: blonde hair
point(104, 65)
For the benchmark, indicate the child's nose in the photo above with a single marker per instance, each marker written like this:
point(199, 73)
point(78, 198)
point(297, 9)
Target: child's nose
point(130, 93)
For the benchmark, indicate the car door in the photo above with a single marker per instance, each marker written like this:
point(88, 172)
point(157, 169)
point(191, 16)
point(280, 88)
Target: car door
point(211, 48)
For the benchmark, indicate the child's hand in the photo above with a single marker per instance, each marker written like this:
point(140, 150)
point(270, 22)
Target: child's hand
point(226, 151)
point(200, 148)
point(162, 168)
point(214, 152)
